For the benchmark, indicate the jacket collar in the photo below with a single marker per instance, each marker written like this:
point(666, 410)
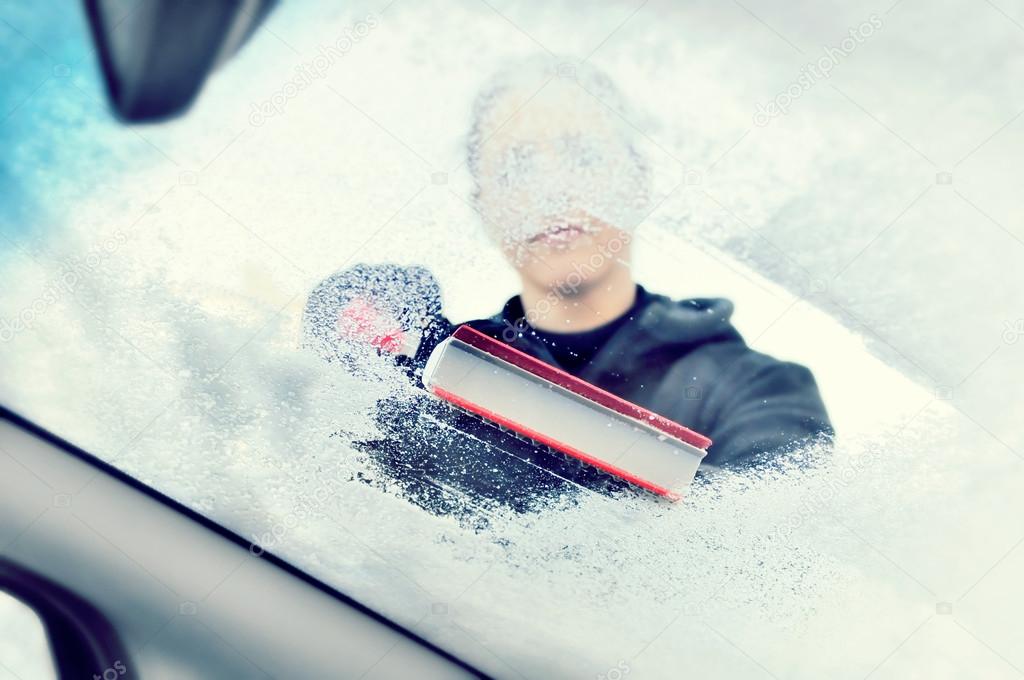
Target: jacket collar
point(661, 326)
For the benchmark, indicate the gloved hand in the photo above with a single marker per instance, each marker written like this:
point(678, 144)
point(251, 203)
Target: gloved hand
point(383, 309)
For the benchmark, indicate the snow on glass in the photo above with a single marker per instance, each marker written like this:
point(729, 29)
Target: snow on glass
point(186, 342)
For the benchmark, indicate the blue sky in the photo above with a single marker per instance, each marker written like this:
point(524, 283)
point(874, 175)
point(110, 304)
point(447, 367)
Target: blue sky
point(55, 132)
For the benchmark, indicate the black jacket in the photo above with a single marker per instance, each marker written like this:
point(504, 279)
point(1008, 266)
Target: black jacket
point(684, 360)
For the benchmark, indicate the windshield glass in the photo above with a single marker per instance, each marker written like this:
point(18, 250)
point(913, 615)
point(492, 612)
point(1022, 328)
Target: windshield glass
point(168, 305)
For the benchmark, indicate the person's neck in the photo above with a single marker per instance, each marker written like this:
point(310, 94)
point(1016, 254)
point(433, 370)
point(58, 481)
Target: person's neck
point(581, 310)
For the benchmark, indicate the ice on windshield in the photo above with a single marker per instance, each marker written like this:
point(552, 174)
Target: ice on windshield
point(158, 280)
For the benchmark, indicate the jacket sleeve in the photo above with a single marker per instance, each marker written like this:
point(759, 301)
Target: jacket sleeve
point(766, 406)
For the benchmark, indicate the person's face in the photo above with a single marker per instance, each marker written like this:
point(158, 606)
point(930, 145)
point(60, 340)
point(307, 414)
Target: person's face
point(545, 180)
point(575, 253)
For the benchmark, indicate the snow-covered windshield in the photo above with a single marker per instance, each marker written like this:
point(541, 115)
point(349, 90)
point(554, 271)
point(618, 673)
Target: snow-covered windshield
point(846, 175)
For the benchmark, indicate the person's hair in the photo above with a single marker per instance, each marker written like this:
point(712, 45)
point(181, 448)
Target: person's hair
point(532, 75)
